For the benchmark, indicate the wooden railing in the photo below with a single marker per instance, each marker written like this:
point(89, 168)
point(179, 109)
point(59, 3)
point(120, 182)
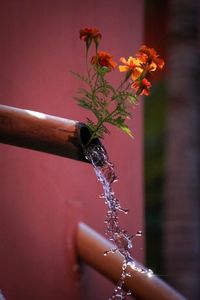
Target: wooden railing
point(50, 134)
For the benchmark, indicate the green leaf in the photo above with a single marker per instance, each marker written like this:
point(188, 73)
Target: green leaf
point(132, 99)
point(83, 91)
point(84, 104)
point(126, 129)
point(80, 77)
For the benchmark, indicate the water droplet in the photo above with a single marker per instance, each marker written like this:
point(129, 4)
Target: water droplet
point(150, 273)
point(139, 233)
point(102, 196)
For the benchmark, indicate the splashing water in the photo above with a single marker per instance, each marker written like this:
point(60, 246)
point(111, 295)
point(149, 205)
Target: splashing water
point(121, 239)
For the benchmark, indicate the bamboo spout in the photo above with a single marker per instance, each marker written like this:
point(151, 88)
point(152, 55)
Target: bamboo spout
point(91, 247)
point(42, 132)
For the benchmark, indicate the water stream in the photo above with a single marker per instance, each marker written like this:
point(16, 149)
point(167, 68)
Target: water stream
point(122, 240)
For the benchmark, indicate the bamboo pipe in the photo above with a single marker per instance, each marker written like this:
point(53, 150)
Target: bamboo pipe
point(91, 247)
point(42, 132)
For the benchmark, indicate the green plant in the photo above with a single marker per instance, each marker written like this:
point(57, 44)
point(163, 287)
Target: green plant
point(109, 104)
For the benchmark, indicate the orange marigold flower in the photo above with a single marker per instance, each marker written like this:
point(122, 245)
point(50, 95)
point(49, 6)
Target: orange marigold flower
point(149, 56)
point(142, 87)
point(104, 59)
point(89, 34)
point(132, 66)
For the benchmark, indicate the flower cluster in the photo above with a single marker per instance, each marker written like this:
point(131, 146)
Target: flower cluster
point(109, 104)
point(147, 61)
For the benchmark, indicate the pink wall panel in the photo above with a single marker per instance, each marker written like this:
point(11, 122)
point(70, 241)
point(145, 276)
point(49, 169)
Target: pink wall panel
point(43, 197)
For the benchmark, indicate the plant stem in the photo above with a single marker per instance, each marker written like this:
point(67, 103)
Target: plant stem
point(87, 69)
point(98, 126)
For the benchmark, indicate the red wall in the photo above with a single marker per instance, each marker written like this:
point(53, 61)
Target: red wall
point(43, 197)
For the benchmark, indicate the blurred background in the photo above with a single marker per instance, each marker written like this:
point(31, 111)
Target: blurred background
point(172, 118)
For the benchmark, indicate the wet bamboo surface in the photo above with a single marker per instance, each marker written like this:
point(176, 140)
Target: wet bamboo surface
point(42, 132)
point(91, 247)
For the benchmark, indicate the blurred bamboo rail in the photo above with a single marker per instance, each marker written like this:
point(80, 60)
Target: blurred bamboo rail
point(91, 247)
point(42, 132)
